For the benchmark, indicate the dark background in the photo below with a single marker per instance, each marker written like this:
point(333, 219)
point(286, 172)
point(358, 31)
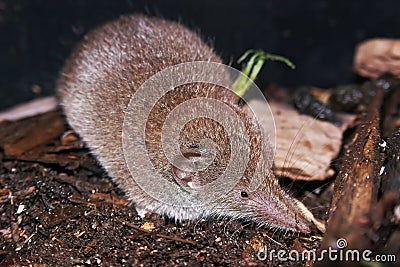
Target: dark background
point(319, 36)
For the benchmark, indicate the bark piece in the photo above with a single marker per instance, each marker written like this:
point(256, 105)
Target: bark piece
point(375, 57)
point(29, 109)
point(357, 185)
point(305, 146)
point(21, 137)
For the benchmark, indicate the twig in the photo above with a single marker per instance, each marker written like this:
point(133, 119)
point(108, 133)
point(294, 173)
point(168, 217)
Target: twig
point(157, 234)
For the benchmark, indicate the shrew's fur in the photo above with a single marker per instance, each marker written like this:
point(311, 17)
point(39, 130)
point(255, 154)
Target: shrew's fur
point(96, 85)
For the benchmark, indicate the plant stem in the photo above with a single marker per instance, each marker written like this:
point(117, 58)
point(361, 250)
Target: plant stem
point(253, 67)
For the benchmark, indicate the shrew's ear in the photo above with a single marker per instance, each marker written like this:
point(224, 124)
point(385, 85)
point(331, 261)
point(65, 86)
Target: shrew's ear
point(186, 169)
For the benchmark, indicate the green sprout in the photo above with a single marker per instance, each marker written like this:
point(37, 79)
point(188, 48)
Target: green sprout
point(253, 67)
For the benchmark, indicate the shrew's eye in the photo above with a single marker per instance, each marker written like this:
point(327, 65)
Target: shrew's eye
point(243, 194)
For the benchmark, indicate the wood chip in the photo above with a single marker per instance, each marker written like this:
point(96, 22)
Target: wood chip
point(28, 134)
point(375, 57)
point(149, 226)
point(29, 109)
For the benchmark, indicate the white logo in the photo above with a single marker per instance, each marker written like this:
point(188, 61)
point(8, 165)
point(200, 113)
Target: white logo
point(341, 243)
